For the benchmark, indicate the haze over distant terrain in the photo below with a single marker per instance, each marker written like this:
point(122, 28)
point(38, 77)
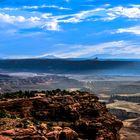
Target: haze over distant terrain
point(68, 66)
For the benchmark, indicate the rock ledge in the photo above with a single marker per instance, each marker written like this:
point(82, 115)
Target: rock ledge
point(60, 115)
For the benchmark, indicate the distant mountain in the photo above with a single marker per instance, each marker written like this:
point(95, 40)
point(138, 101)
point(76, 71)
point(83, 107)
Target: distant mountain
point(112, 57)
point(102, 56)
point(49, 57)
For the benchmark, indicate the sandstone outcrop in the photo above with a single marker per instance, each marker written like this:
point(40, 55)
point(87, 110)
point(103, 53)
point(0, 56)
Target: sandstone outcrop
point(61, 115)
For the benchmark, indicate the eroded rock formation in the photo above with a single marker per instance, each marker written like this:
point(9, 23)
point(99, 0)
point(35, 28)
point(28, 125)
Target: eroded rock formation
point(60, 116)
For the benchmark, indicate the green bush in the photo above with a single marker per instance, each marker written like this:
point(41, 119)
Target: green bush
point(3, 114)
point(19, 125)
point(49, 125)
point(2, 123)
point(12, 116)
point(25, 123)
point(37, 122)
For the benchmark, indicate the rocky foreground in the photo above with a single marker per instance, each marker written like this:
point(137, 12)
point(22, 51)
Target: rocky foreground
point(57, 115)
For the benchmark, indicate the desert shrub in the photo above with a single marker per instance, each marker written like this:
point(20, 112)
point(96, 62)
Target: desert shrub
point(65, 92)
point(48, 93)
point(3, 114)
point(49, 125)
point(20, 125)
point(35, 121)
point(12, 116)
point(18, 94)
point(2, 123)
point(25, 123)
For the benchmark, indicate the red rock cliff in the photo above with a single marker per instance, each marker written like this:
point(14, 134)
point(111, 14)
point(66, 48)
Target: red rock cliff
point(61, 116)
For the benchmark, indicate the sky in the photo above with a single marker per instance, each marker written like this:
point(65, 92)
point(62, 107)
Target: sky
point(69, 28)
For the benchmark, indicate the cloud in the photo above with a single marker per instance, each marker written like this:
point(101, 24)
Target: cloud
point(104, 14)
point(133, 30)
point(89, 50)
point(11, 19)
point(134, 5)
point(131, 12)
point(82, 15)
point(49, 21)
point(52, 26)
point(113, 49)
point(35, 7)
point(45, 6)
point(31, 22)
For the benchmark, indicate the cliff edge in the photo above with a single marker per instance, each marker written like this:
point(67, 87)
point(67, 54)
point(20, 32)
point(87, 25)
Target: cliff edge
point(57, 115)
